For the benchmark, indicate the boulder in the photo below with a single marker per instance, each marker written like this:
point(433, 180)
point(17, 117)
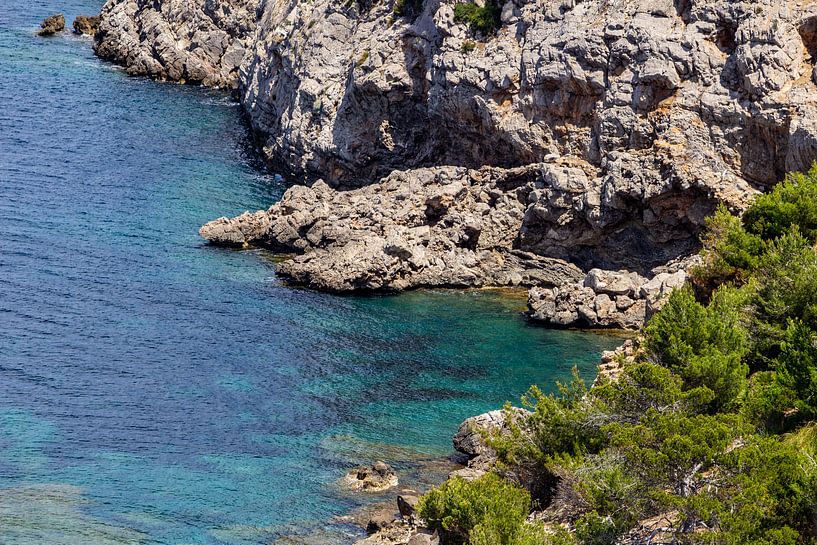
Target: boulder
point(424, 538)
point(407, 505)
point(86, 24)
point(609, 299)
point(52, 25)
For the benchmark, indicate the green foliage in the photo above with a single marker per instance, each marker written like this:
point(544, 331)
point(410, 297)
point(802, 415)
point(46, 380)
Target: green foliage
point(468, 46)
point(796, 367)
point(646, 387)
point(484, 20)
point(784, 286)
point(671, 451)
point(730, 252)
point(768, 495)
point(486, 511)
point(792, 202)
point(558, 424)
point(704, 345)
point(767, 402)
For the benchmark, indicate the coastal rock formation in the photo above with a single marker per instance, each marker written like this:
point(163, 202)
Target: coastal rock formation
point(612, 299)
point(52, 25)
point(444, 226)
point(86, 25)
point(617, 127)
point(471, 439)
point(377, 478)
point(200, 41)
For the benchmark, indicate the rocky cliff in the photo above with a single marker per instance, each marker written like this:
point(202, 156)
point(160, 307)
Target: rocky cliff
point(622, 124)
point(200, 41)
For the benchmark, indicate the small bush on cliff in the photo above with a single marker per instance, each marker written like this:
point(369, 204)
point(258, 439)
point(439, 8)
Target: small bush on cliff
point(486, 511)
point(483, 19)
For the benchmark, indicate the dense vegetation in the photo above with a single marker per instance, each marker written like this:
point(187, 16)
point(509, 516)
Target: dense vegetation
point(484, 19)
point(708, 436)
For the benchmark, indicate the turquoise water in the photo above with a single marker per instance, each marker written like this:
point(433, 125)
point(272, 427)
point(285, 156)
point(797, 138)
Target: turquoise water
point(155, 390)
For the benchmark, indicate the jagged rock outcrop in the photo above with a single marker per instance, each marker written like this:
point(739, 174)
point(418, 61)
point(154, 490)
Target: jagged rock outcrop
point(638, 116)
point(612, 299)
point(86, 24)
point(198, 41)
point(472, 440)
point(427, 227)
point(52, 25)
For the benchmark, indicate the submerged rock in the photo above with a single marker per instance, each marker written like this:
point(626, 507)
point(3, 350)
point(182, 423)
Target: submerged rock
point(376, 478)
point(86, 24)
point(52, 25)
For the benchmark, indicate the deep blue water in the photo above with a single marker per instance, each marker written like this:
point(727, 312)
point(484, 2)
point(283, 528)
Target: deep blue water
point(155, 390)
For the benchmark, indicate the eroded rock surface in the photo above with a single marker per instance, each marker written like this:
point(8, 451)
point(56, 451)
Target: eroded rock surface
point(613, 299)
point(52, 25)
point(86, 24)
point(637, 117)
point(446, 226)
point(196, 41)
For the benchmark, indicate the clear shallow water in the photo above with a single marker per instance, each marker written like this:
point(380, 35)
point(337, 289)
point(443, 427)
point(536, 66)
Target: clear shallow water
point(154, 390)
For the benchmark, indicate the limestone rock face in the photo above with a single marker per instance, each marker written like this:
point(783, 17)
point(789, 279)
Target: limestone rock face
point(638, 118)
point(442, 227)
point(470, 440)
point(613, 299)
point(198, 41)
point(51, 25)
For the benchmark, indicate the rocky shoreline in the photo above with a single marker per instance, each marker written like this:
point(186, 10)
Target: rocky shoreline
point(576, 151)
point(578, 136)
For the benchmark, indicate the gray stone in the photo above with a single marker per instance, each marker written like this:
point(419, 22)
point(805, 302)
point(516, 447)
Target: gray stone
point(424, 539)
point(407, 505)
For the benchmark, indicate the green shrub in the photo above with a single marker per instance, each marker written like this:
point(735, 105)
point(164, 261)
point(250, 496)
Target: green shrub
point(485, 19)
point(644, 386)
point(704, 345)
point(557, 424)
point(796, 367)
point(767, 402)
point(468, 46)
point(791, 202)
point(672, 452)
point(768, 494)
point(485, 511)
point(730, 253)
